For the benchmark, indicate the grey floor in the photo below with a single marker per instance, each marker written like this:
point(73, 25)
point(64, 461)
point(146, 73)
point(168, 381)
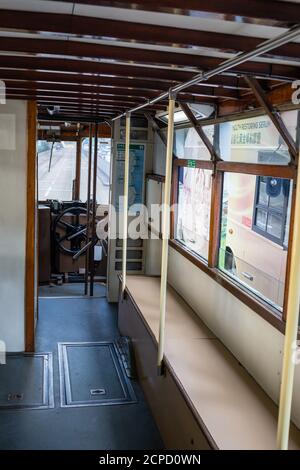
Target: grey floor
point(70, 290)
point(120, 427)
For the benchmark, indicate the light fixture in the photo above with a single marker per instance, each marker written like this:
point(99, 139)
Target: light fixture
point(53, 110)
point(200, 111)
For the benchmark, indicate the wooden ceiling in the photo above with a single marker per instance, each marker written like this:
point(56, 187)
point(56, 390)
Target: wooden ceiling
point(97, 58)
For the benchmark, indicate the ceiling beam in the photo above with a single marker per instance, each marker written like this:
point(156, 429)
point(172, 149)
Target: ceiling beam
point(135, 54)
point(77, 97)
point(262, 9)
point(73, 117)
point(105, 92)
point(51, 101)
point(124, 30)
point(284, 72)
point(120, 82)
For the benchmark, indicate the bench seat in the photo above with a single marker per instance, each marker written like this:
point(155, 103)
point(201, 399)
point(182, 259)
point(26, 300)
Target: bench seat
point(230, 410)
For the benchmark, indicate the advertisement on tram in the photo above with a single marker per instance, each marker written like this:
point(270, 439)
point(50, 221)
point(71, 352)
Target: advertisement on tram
point(255, 209)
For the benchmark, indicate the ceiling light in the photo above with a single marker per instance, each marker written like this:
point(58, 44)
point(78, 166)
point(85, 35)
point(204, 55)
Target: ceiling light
point(200, 111)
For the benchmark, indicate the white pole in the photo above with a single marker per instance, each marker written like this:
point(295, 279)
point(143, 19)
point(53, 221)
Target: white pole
point(291, 330)
point(165, 233)
point(125, 201)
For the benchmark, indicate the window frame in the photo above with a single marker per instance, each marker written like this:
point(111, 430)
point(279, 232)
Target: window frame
point(219, 167)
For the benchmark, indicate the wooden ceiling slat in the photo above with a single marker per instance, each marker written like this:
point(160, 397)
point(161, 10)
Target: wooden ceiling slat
point(262, 9)
point(124, 30)
point(73, 117)
point(284, 72)
point(119, 82)
point(70, 90)
point(111, 52)
point(127, 101)
point(108, 104)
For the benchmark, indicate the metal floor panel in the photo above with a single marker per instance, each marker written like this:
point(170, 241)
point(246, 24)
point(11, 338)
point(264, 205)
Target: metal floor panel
point(92, 374)
point(26, 381)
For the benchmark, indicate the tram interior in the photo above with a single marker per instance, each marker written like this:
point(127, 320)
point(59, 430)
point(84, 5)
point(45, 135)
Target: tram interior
point(148, 249)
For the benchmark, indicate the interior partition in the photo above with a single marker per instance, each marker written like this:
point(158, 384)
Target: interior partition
point(13, 220)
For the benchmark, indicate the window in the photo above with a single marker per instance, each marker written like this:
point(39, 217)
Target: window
point(271, 206)
point(254, 233)
point(188, 144)
point(56, 174)
point(252, 140)
point(103, 170)
point(193, 211)
point(242, 239)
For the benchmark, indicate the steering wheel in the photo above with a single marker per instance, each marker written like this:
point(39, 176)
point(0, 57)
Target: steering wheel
point(74, 236)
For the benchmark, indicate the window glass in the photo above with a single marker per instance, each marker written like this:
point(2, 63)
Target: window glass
point(103, 170)
point(253, 140)
point(188, 144)
point(193, 212)
point(254, 233)
point(290, 119)
point(55, 177)
point(272, 196)
point(135, 134)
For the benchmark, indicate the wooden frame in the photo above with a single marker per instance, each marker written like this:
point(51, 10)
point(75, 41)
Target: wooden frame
point(219, 168)
point(289, 255)
point(215, 218)
point(155, 177)
point(30, 270)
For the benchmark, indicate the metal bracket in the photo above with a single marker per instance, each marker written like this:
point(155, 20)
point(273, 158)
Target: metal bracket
point(156, 128)
point(172, 94)
point(198, 128)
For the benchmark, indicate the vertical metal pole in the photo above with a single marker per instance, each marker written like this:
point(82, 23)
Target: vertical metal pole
point(78, 168)
point(88, 208)
point(125, 200)
point(165, 234)
point(291, 330)
point(51, 153)
point(92, 249)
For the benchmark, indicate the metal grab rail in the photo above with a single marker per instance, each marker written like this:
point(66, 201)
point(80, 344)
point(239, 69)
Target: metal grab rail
point(263, 48)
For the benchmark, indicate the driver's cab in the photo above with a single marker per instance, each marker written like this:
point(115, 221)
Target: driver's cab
point(72, 200)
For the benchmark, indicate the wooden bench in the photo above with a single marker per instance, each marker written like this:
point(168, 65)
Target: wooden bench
point(206, 399)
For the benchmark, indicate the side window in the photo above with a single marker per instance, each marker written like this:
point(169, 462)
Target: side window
point(271, 207)
point(193, 211)
point(254, 233)
point(56, 170)
point(103, 170)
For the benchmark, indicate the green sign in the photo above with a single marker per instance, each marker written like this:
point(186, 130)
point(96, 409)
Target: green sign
point(191, 163)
